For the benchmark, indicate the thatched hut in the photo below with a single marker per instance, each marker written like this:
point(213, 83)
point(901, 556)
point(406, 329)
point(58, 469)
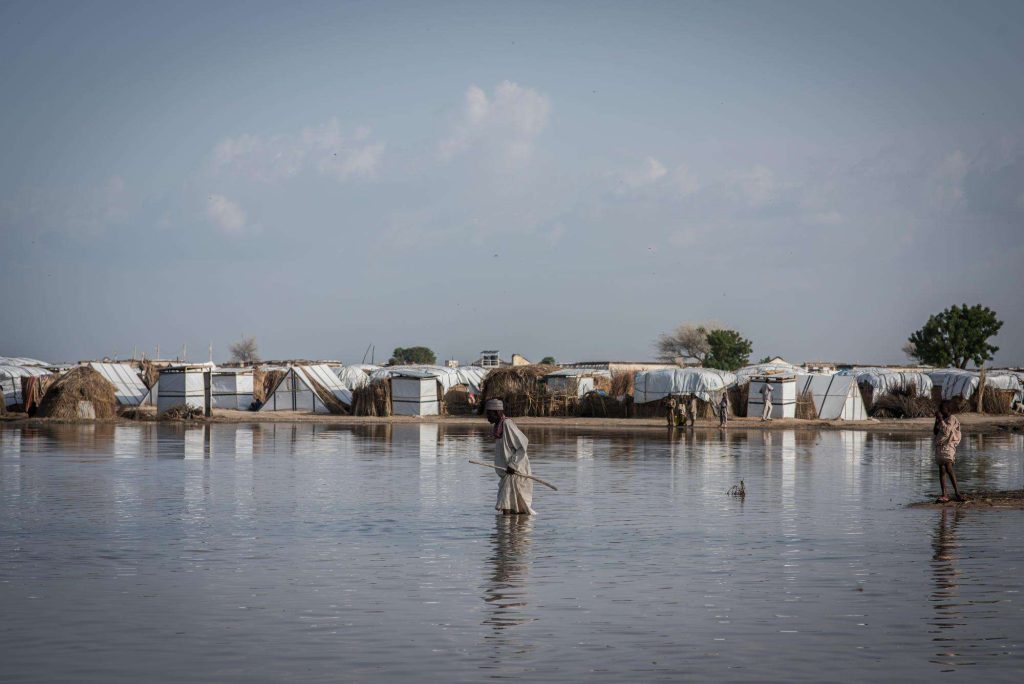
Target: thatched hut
point(521, 388)
point(81, 393)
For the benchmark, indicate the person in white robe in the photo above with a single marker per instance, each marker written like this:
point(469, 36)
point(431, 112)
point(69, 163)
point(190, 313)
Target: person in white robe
point(515, 494)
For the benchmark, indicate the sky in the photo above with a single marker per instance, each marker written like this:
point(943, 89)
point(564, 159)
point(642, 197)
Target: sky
point(564, 179)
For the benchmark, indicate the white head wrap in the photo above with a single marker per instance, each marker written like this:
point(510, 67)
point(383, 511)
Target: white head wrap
point(494, 405)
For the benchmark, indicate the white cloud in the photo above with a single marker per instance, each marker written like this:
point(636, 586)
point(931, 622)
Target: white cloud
point(507, 122)
point(650, 172)
point(226, 215)
point(681, 181)
point(323, 149)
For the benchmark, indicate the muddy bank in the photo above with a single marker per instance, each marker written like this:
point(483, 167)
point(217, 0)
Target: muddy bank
point(971, 422)
point(984, 499)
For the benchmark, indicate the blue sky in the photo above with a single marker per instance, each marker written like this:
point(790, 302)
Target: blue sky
point(544, 178)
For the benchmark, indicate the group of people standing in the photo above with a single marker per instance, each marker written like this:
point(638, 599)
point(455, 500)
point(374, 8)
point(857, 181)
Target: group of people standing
point(679, 411)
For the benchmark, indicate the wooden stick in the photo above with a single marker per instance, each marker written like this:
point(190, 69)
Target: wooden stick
point(529, 477)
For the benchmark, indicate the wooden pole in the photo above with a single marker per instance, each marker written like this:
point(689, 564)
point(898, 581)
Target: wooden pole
point(981, 391)
point(502, 470)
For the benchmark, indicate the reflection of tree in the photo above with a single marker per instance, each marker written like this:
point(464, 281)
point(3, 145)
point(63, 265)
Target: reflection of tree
point(946, 577)
point(505, 591)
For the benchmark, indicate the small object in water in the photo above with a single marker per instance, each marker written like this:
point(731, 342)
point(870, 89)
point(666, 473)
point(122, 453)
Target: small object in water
point(738, 490)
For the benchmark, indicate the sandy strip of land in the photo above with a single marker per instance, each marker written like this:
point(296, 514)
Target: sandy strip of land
point(971, 422)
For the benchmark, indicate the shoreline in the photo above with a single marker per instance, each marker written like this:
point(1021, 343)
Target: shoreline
point(970, 422)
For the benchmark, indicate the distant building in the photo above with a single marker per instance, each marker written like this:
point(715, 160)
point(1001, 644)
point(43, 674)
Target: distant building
point(615, 367)
point(452, 363)
point(492, 359)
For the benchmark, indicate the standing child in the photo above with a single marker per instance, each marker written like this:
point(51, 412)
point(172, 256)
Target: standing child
point(946, 439)
point(723, 410)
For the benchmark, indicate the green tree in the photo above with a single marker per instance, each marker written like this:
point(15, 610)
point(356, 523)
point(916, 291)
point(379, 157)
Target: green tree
point(420, 355)
point(956, 336)
point(548, 361)
point(727, 350)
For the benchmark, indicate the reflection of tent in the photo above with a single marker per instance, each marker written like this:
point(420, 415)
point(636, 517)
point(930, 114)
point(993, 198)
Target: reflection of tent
point(706, 384)
point(308, 388)
point(128, 386)
point(836, 397)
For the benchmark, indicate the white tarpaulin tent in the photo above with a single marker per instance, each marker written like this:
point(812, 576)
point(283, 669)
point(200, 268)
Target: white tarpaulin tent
point(21, 361)
point(181, 386)
point(783, 395)
point(836, 397)
point(885, 381)
point(296, 390)
point(352, 377)
point(963, 383)
point(128, 386)
point(471, 376)
point(414, 394)
point(10, 381)
point(232, 388)
point(707, 384)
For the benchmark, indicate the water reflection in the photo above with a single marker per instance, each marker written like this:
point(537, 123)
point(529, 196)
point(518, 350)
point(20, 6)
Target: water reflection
point(945, 596)
point(509, 565)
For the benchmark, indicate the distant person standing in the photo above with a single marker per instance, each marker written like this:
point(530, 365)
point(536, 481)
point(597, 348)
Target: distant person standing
point(515, 494)
point(946, 439)
point(766, 397)
point(691, 410)
point(723, 410)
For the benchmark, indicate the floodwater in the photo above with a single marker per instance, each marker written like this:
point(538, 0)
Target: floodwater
point(269, 553)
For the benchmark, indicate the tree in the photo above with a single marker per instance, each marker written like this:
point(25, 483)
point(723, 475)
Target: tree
point(688, 340)
point(548, 361)
point(727, 350)
point(418, 355)
point(245, 351)
point(956, 336)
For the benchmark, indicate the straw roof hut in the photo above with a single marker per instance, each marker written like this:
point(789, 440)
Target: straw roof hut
point(81, 393)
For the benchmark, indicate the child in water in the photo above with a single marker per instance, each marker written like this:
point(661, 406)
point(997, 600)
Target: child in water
point(946, 439)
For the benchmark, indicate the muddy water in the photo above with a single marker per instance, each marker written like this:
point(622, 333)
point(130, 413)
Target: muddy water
point(269, 553)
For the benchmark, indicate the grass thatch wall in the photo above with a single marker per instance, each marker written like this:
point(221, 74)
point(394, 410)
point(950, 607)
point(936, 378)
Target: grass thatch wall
point(997, 401)
point(264, 382)
point(805, 408)
point(373, 399)
point(520, 388)
point(79, 384)
point(738, 397)
point(905, 403)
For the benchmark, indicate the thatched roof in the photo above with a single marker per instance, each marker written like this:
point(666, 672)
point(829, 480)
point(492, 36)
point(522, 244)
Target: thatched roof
point(81, 384)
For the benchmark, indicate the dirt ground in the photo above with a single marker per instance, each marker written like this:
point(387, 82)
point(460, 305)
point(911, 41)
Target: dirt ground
point(971, 422)
point(981, 500)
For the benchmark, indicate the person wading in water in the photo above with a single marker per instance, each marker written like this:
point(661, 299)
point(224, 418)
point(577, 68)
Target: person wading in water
point(515, 494)
point(946, 439)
